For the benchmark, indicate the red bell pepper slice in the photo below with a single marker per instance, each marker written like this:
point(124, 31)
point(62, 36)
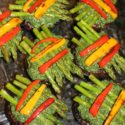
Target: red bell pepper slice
point(112, 6)
point(50, 62)
point(95, 7)
point(4, 15)
point(8, 36)
point(99, 100)
point(96, 44)
point(52, 39)
point(42, 107)
point(35, 5)
point(25, 94)
point(109, 56)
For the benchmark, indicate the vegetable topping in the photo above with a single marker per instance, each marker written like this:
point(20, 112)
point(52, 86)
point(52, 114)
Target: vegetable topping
point(94, 6)
point(109, 56)
point(96, 44)
point(99, 100)
point(106, 8)
point(4, 15)
point(35, 5)
point(100, 103)
point(116, 107)
point(42, 107)
point(103, 5)
point(43, 8)
point(32, 100)
point(96, 50)
point(104, 49)
point(9, 25)
point(53, 60)
point(48, 49)
point(42, 5)
point(31, 103)
point(110, 3)
point(52, 39)
point(27, 5)
point(8, 36)
point(25, 93)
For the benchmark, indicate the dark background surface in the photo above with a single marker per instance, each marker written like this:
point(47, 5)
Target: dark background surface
point(8, 71)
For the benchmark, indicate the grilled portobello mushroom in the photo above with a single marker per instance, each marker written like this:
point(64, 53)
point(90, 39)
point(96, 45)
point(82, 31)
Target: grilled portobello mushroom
point(96, 51)
point(10, 35)
point(31, 102)
point(96, 13)
point(40, 12)
point(50, 58)
point(99, 103)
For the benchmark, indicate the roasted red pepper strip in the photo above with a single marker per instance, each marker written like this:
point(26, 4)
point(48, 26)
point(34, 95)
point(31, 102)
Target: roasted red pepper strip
point(96, 44)
point(50, 62)
point(4, 15)
point(35, 5)
point(99, 100)
point(42, 107)
point(95, 7)
point(112, 6)
point(52, 39)
point(109, 56)
point(8, 36)
point(25, 93)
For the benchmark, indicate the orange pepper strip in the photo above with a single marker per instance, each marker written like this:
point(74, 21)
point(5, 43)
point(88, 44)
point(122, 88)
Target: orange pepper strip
point(33, 100)
point(48, 49)
point(43, 8)
point(100, 52)
point(27, 5)
point(118, 104)
point(9, 25)
point(106, 8)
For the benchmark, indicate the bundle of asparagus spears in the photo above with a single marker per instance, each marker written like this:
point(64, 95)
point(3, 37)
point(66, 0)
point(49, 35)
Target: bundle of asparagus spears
point(97, 51)
point(39, 12)
point(33, 103)
point(101, 103)
point(50, 58)
point(10, 35)
point(96, 13)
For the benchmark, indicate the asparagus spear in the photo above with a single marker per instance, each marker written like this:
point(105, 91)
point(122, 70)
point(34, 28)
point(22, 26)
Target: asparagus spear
point(9, 98)
point(13, 89)
point(5, 54)
point(15, 7)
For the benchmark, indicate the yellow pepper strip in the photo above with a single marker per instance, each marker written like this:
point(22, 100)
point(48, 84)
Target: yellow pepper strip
point(31, 103)
point(27, 5)
point(104, 49)
point(48, 49)
point(9, 25)
point(118, 104)
point(106, 8)
point(43, 8)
